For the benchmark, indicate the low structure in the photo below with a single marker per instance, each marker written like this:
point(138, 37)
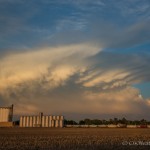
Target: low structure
point(131, 126)
point(42, 121)
point(6, 116)
point(112, 126)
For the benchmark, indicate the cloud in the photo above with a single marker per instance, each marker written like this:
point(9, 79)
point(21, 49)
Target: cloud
point(72, 70)
point(77, 2)
point(136, 8)
point(25, 108)
point(105, 34)
point(26, 24)
point(126, 100)
point(30, 65)
point(74, 78)
point(113, 71)
point(107, 77)
point(112, 36)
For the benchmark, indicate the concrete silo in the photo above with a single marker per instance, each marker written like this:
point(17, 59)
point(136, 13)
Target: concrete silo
point(42, 121)
point(6, 116)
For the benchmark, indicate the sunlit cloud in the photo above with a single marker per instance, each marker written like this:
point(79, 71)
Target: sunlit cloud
point(107, 77)
point(52, 62)
point(69, 79)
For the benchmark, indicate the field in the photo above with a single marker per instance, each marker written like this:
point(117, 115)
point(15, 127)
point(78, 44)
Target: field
point(73, 138)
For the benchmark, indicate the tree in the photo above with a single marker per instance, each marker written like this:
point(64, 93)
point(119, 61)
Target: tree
point(96, 122)
point(124, 121)
point(115, 121)
point(70, 122)
point(87, 121)
point(82, 122)
point(143, 121)
point(104, 122)
point(110, 121)
point(137, 122)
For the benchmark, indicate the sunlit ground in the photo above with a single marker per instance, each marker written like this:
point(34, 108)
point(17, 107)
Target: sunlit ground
point(73, 138)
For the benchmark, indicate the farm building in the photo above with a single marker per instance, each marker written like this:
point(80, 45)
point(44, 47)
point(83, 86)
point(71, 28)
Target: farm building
point(42, 121)
point(6, 115)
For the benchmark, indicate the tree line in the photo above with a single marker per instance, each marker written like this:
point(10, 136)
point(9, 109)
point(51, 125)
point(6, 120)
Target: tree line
point(114, 121)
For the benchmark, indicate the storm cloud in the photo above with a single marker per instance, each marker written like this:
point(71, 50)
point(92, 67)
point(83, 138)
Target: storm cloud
point(90, 83)
point(75, 57)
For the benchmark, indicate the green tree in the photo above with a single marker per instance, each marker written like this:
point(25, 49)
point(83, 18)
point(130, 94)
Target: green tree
point(70, 122)
point(82, 122)
point(87, 121)
point(143, 122)
point(96, 122)
point(124, 121)
point(115, 121)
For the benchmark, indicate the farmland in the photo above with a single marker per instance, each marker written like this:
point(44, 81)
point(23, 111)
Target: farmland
point(73, 138)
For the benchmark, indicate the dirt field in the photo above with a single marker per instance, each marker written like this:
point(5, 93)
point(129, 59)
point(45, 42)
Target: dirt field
point(73, 138)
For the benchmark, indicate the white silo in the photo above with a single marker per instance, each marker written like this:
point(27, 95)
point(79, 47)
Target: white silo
point(21, 121)
point(50, 121)
point(61, 121)
point(24, 121)
point(31, 121)
point(34, 121)
point(43, 121)
point(6, 114)
point(47, 121)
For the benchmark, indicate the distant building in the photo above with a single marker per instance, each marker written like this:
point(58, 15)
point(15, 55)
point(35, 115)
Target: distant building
point(6, 116)
point(42, 121)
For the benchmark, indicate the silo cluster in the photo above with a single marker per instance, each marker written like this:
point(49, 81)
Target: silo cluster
point(6, 114)
point(42, 121)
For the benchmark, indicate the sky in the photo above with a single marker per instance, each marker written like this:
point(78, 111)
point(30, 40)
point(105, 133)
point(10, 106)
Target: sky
point(77, 58)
